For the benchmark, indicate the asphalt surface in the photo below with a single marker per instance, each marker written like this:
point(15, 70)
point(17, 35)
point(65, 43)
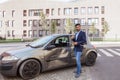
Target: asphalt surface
point(106, 67)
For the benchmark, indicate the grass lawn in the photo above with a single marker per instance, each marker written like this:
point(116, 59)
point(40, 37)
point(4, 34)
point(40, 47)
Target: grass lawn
point(10, 40)
point(28, 40)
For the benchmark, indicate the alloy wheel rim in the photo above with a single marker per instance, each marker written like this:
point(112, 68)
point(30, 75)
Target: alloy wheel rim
point(91, 59)
point(30, 69)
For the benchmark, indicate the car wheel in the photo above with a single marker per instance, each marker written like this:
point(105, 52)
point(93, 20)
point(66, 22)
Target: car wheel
point(91, 59)
point(29, 69)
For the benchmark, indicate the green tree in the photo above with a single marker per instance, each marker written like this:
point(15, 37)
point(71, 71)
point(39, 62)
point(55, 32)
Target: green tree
point(53, 27)
point(69, 26)
point(105, 28)
point(43, 20)
point(92, 30)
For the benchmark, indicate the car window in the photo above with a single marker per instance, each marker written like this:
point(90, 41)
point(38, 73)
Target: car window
point(61, 41)
point(41, 42)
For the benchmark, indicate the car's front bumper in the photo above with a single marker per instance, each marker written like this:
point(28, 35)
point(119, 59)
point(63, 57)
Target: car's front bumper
point(8, 68)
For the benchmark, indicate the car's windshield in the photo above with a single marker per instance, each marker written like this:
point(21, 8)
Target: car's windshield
point(41, 42)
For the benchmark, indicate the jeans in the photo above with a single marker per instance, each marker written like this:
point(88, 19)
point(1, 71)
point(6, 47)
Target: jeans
point(78, 61)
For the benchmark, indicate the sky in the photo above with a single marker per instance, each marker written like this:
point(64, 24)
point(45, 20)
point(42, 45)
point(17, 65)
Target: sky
point(2, 1)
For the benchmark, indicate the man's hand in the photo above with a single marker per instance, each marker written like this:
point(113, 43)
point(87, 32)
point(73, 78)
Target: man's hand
point(72, 37)
point(75, 43)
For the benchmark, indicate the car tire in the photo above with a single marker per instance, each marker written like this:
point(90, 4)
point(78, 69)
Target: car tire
point(29, 69)
point(90, 59)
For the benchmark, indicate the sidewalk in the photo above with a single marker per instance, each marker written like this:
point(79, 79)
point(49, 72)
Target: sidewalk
point(106, 44)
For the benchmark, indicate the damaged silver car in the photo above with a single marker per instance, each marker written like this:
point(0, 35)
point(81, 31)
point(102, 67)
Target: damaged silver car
point(47, 53)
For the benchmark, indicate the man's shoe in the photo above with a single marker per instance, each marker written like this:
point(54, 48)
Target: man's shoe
point(76, 71)
point(77, 75)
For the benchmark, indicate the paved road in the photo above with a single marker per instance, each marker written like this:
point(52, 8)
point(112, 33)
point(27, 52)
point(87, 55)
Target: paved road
point(106, 67)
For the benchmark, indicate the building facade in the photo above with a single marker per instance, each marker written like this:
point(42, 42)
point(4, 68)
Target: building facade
point(22, 18)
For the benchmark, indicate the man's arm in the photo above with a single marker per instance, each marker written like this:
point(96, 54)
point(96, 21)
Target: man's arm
point(73, 38)
point(83, 41)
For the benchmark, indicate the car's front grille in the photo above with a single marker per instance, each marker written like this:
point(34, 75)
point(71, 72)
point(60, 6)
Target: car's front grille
point(6, 66)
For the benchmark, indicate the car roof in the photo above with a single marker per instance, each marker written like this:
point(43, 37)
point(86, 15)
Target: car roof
point(58, 35)
point(62, 34)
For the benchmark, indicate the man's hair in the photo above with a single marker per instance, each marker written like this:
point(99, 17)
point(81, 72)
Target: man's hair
point(77, 25)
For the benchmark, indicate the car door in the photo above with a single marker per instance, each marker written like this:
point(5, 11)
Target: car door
point(72, 56)
point(58, 55)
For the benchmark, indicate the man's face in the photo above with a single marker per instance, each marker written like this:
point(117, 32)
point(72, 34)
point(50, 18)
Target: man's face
point(78, 28)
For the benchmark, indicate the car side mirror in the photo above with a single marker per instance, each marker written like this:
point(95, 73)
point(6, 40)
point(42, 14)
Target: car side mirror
point(27, 45)
point(50, 47)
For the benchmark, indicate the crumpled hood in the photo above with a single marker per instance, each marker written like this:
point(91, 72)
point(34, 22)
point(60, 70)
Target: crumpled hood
point(22, 52)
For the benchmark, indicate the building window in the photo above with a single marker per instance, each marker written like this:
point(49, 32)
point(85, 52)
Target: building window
point(24, 33)
point(40, 33)
point(24, 12)
point(83, 10)
point(58, 22)
point(52, 12)
point(102, 21)
point(76, 11)
point(13, 23)
point(96, 10)
point(0, 32)
point(4, 13)
point(35, 12)
point(102, 10)
point(13, 33)
point(1, 14)
point(92, 21)
point(13, 13)
point(89, 21)
point(9, 23)
point(96, 21)
point(76, 21)
point(64, 22)
point(24, 22)
point(30, 33)
point(67, 11)
point(47, 11)
point(8, 33)
point(58, 11)
point(46, 32)
point(35, 23)
point(90, 10)
point(0, 23)
point(34, 33)
point(30, 23)
point(83, 22)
